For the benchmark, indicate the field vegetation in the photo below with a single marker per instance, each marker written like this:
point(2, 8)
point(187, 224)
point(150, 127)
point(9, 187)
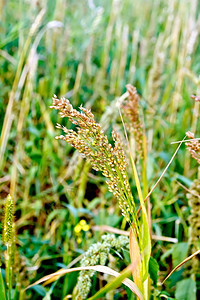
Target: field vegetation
point(100, 187)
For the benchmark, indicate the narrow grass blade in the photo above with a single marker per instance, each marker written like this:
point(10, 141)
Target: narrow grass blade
point(179, 265)
point(121, 278)
point(106, 228)
point(146, 245)
point(72, 263)
point(163, 173)
point(2, 288)
point(130, 284)
point(185, 141)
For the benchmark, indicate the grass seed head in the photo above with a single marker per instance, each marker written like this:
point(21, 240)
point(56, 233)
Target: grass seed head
point(8, 221)
point(193, 146)
point(194, 221)
point(89, 139)
point(98, 254)
point(131, 110)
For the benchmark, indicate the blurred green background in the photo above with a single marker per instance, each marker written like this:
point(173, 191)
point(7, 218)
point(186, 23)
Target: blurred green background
point(88, 51)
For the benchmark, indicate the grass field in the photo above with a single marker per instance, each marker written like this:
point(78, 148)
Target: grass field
point(87, 52)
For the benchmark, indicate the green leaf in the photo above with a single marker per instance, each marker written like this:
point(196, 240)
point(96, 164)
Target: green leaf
point(126, 254)
point(2, 288)
point(179, 253)
point(146, 245)
point(184, 180)
point(186, 289)
point(40, 290)
point(153, 270)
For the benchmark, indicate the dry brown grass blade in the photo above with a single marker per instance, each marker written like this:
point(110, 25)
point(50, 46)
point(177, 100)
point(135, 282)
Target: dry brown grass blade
point(179, 265)
point(163, 173)
point(116, 283)
point(130, 284)
point(72, 263)
point(136, 260)
point(106, 228)
point(185, 141)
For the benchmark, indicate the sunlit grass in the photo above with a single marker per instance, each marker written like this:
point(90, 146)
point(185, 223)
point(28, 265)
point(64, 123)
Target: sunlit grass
point(88, 51)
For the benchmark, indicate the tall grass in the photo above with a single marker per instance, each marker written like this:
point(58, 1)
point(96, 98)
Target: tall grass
point(88, 51)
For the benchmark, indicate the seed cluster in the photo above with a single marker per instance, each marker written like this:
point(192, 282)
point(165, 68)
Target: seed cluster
point(196, 98)
point(8, 221)
point(131, 110)
point(90, 140)
point(194, 220)
point(193, 146)
point(9, 239)
point(98, 254)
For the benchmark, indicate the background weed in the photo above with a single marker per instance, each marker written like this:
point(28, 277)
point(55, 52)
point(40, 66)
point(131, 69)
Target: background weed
point(88, 51)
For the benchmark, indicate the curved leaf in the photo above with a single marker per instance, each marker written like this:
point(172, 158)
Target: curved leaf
point(130, 284)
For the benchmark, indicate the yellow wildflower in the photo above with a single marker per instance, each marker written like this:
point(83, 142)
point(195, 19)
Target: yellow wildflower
point(78, 228)
point(82, 222)
point(79, 240)
point(86, 227)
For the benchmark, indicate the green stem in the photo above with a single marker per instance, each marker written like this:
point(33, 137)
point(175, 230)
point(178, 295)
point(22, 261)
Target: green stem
point(9, 270)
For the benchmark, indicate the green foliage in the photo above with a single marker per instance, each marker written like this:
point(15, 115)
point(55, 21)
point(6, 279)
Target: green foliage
point(186, 289)
point(179, 253)
point(88, 51)
point(153, 270)
point(2, 288)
